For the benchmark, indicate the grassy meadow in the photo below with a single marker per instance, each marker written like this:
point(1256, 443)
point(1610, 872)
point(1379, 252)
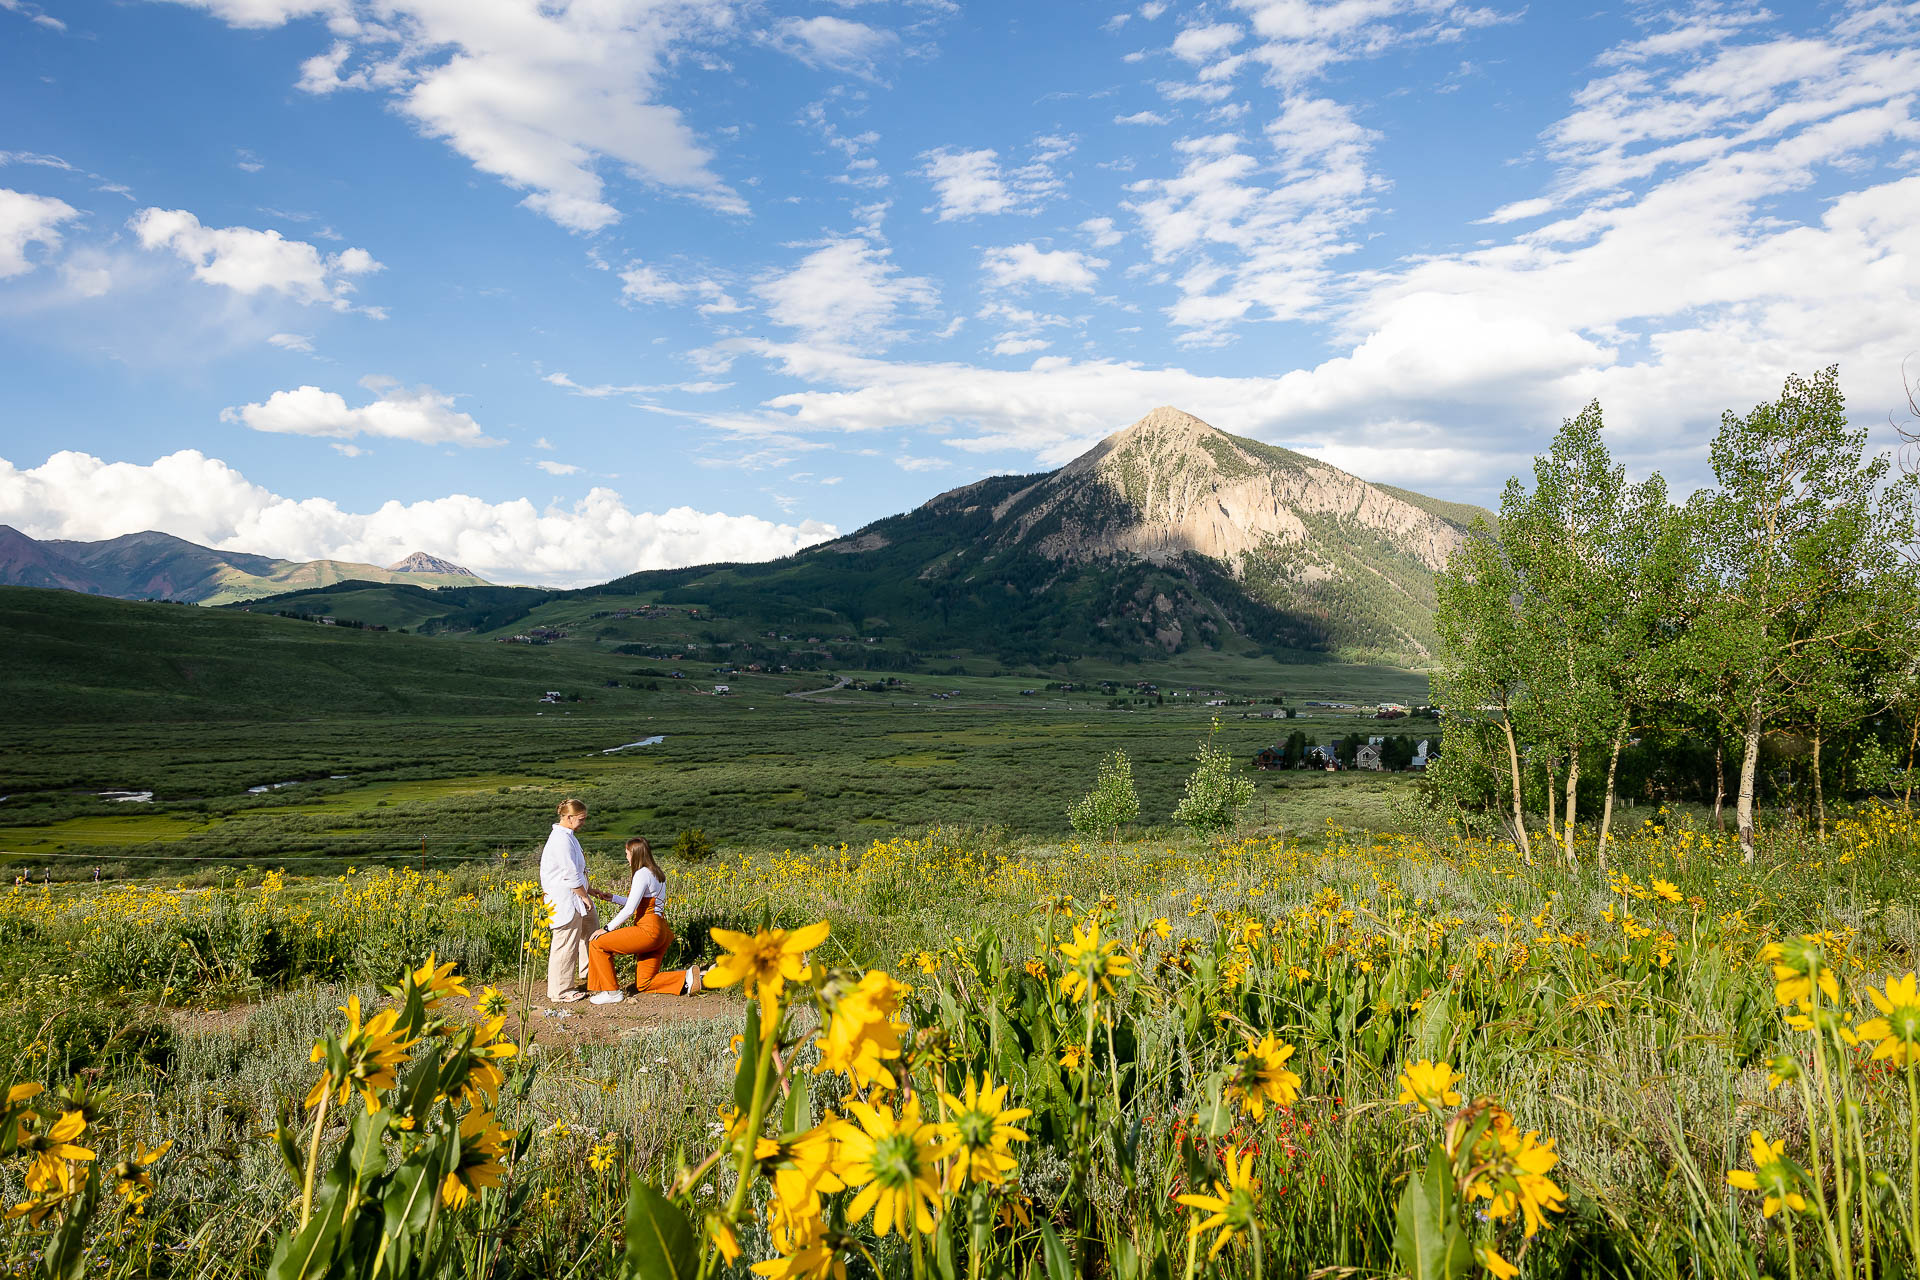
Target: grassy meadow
point(1349, 1039)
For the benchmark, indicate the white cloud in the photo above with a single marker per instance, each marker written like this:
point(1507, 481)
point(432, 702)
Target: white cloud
point(1141, 117)
point(398, 413)
point(1256, 235)
point(1200, 44)
point(606, 389)
point(202, 499)
point(29, 219)
point(847, 292)
point(837, 43)
point(971, 183)
point(967, 183)
point(291, 341)
point(543, 97)
point(553, 468)
point(1519, 210)
point(1015, 266)
point(250, 261)
point(1101, 232)
point(1297, 41)
point(649, 285)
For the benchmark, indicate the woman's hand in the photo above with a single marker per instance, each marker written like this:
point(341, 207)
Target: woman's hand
point(596, 933)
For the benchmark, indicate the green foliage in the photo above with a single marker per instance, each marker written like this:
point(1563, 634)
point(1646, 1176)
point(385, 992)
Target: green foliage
point(694, 845)
point(1111, 805)
point(1215, 792)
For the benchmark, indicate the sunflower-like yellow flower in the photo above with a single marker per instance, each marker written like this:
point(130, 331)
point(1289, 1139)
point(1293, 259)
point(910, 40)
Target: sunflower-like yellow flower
point(491, 1003)
point(367, 1056)
point(55, 1151)
point(483, 1048)
point(892, 1160)
point(1799, 966)
point(437, 981)
point(1262, 1076)
point(1772, 1173)
point(723, 1238)
point(805, 1253)
point(1497, 1266)
point(1898, 1027)
point(1522, 1182)
point(862, 1036)
point(1231, 1206)
point(802, 1166)
point(131, 1178)
point(1093, 964)
point(979, 1127)
point(1667, 890)
point(765, 961)
point(481, 1144)
point(1427, 1086)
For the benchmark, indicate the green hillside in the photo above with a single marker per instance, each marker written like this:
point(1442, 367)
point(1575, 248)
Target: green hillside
point(73, 657)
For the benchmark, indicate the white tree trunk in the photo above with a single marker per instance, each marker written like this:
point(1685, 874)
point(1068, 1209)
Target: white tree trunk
point(1519, 812)
point(1606, 810)
point(1553, 815)
point(1749, 770)
point(1573, 798)
point(1819, 792)
point(1719, 785)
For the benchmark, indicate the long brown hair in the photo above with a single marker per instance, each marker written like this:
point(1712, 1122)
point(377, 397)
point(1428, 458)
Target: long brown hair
point(640, 854)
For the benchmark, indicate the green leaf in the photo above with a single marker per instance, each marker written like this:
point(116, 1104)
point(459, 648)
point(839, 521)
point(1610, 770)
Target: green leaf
point(797, 1116)
point(749, 1060)
point(660, 1240)
point(1427, 1242)
point(1059, 1262)
point(66, 1255)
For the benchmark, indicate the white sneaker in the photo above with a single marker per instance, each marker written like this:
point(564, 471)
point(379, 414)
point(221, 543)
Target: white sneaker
point(605, 997)
point(693, 985)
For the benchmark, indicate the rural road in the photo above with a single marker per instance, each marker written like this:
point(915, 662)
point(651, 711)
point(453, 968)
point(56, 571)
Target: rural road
point(839, 682)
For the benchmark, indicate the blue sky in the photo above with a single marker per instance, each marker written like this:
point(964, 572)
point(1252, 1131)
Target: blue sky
point(559, 291)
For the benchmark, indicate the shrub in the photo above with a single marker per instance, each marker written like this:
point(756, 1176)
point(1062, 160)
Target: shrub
point(694, 845)
point(1214, 797)
point(1112, 803)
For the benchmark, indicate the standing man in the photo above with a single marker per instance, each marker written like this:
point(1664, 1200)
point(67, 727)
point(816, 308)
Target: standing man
point(563, 878)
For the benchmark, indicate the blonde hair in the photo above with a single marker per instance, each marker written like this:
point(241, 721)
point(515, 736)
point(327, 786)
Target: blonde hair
point(570, 807)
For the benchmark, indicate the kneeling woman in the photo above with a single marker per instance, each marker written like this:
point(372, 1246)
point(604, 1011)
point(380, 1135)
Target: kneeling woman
point(646, 939)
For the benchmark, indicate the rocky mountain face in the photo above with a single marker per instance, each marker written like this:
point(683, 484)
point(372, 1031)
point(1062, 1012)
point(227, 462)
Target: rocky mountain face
point(1215, 532)
point(421, 562)
point(152, 565)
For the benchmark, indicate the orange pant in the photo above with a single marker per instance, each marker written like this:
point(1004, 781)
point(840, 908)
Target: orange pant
point(646, 940)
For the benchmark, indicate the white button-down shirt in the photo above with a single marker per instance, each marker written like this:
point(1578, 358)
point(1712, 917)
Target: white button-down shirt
point(563, 868)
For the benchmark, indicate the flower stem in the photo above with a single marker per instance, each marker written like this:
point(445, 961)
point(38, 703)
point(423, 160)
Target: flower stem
point(313, 1157)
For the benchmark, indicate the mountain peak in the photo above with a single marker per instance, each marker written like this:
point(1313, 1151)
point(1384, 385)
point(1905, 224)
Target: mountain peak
point(421, 562)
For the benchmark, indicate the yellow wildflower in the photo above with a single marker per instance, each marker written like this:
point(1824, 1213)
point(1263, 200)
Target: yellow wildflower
point(978, 1133)
point(892, 1160)
point(1262, 1076)
point(1773, 1174)
point(1898, 1026)
point(1428, 1086)
point(765, 961)
point(1231, 1206)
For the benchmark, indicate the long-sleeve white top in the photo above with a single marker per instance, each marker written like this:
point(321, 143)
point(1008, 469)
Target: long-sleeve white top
point(645, 885)
point(563, 868)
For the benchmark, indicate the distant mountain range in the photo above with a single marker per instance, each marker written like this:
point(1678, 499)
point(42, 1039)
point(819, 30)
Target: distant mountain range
point(141, 566)
point(1166, 537)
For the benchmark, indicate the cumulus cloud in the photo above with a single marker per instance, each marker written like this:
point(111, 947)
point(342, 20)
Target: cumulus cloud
point(29, 219)
point(650, 285)
point(420, 414)
point(543, 97)
point(969, 184)
point(847, 292)
point(202, 499)
point(836, 43)
point(1015, 266)
point(249, 261)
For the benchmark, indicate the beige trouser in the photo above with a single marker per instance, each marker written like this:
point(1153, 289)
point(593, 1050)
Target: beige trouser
point(567, 961)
